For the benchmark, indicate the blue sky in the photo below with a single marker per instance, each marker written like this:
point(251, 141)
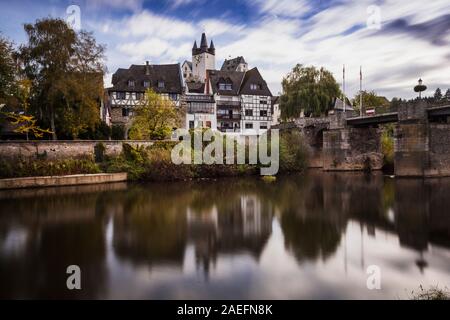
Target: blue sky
point(395, 41)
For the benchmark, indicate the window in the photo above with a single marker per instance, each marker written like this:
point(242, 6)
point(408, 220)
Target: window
point(139, 95)
point(120, 95)
point(263, 101)
point(248, 112)
point(254, 86)
point(131, 83)
point(263, 125)
point(249, 125)
point(225, 86)
point(208, 124)
point(125, 112)
point(263, 113)
point(191, 124)
point(160, 84)
point(173, 96)
point(146, 84)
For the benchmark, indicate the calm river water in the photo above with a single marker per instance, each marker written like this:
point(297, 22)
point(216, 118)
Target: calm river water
point(301, 237)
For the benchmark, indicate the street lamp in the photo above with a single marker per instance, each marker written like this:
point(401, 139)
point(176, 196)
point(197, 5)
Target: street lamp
point(420, 88)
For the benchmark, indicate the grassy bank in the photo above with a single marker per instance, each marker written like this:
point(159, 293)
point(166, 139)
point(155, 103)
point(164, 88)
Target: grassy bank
point(154, 163)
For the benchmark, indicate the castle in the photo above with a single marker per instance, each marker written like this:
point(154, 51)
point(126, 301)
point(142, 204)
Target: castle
point(233, 99)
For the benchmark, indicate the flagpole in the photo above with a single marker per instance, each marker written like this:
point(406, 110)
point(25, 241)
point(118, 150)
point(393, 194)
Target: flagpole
point(360, 92)
point(343, 86)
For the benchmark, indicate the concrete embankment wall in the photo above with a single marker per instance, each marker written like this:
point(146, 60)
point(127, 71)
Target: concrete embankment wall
point(79, 179)
point(54, 150)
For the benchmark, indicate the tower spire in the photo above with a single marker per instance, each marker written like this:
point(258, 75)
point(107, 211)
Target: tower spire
point(212, 49)
point(203, 43)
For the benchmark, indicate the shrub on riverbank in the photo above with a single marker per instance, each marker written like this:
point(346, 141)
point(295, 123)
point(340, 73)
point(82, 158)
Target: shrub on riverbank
point(387, 147)
point(39, 167)
point(293, 152)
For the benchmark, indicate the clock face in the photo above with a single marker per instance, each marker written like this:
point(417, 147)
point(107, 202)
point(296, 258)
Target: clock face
point(198, 58)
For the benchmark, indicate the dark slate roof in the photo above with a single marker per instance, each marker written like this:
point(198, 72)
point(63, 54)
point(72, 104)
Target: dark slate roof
point(275, 100)
point(195, 87)
point(203, 46)
point(169, 73)
point(232, 64)
point(189, 63)
point(254, 77)
point(233, 77)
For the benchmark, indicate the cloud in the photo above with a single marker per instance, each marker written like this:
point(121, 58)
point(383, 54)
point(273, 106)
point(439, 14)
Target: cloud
point(148, 24)
point(286, 8)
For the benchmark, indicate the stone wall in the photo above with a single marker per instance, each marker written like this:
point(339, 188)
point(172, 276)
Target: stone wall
point(352, 149)
point(439, 150)
point(53, 150)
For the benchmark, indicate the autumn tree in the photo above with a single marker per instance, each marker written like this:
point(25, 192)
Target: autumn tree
point(66, 69)
point(155, 119)
point(309, 89)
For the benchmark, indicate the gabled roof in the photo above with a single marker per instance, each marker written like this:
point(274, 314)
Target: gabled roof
point(254, 77)
point(233, 77)
point(169, 73)
point(232, 64)
point(195, 87)
point(189, 63)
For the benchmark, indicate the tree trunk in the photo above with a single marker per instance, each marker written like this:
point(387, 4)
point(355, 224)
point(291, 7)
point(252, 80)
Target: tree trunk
point(52, 124)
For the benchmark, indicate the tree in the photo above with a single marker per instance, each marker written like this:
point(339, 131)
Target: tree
point(447, 95)
point(7, 70)
point(66, 69)
point(370, 100)
point(25, 124)
point(437, 95)
point(309, 89)
point(395, 103)
point(155, 119)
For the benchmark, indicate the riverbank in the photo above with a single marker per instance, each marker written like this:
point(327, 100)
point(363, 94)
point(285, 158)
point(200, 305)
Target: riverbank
point(147, 162)
point(72, 180)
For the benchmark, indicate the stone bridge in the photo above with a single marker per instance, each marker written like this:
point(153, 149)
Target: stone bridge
point(341, 142)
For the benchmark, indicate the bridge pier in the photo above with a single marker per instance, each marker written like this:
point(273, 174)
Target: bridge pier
point(422, 145)
point(348, 148)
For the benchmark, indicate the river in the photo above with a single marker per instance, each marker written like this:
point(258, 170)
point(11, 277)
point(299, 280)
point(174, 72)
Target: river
point(313, 236)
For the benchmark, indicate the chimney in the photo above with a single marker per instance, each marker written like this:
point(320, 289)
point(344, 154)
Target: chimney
point(147, 68)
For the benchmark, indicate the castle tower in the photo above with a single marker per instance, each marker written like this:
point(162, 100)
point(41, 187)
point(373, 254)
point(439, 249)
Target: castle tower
point(203, 58)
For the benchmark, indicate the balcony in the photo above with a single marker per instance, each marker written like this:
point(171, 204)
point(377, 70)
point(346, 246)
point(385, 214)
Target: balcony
point(200, 109)
point(229, 117)
point(229, 104)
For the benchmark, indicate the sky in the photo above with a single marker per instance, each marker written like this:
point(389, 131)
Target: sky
point(395, 41)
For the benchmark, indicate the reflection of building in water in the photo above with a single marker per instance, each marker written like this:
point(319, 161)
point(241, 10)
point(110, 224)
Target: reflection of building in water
point(41, 236)
point(240, 225)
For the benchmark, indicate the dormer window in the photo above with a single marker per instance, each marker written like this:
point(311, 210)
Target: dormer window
point(131, 83)
point(146, 84)
point(161, 84)
point(225, 84)
point(254, 86)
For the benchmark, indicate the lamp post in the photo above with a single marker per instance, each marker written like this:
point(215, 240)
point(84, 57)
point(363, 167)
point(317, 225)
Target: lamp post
point(420, 88)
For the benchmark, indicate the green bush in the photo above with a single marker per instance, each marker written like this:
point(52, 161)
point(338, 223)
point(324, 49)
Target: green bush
point(387, 145)
point(118, 132)
point(293, 152)
point(39, 167)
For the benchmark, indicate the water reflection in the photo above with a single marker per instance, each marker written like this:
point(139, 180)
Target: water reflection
point(300, 237)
